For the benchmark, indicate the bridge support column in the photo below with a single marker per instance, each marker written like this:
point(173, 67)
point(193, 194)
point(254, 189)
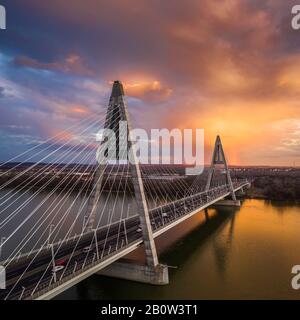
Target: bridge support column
point(152, 272)
point(136, 176)
point(133, 271)
point(219, 158)
point(241, 193)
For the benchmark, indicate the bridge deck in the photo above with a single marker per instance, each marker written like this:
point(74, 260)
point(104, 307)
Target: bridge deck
point(113, 242)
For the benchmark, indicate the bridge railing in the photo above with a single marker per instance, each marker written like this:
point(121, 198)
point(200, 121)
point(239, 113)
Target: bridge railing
point(192, 202)
point(47, 286)
point(168, 213)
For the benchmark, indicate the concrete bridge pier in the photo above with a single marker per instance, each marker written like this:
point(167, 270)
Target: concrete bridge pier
point(241, 193)
point(227, 203)
point(138, 272)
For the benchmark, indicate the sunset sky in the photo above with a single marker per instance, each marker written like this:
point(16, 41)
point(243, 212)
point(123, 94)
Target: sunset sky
point(231, 67)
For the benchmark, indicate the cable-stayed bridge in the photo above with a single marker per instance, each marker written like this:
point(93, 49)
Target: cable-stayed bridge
point(66, 220)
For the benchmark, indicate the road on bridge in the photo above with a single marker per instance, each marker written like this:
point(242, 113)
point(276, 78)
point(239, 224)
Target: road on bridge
point(28, 275)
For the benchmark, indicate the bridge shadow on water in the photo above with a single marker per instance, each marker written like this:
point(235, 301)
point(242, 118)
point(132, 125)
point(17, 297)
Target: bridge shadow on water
point(184, 244)
point(176, 248)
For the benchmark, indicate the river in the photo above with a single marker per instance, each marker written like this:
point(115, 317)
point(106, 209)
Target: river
point(244, 253)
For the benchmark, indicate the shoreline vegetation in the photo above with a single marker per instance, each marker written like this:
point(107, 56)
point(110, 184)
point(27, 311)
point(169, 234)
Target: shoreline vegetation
point(270, 185)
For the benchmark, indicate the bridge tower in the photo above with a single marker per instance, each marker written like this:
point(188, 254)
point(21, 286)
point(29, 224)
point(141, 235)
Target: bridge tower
point(219, 158)
point(117, 112)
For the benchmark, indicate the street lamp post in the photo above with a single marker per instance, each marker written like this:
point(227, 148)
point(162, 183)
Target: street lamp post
point(50, 233)
point(1, 244)
point(75, 266)
point(125, 231)
point(85, 220)
point(22, 293)
point(96, 242)
point(53, 262)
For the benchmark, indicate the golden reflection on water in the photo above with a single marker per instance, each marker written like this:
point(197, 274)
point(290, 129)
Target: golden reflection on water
point(244, 253)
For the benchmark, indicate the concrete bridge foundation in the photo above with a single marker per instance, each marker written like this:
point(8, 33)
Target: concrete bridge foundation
point(228, 203)
point(133, 271)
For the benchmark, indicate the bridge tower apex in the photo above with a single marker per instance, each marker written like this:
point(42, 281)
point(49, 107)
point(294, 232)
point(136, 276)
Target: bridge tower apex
point(218, 158)
point(117, 89)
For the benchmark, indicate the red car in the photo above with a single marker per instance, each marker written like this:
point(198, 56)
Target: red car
point(60, 262)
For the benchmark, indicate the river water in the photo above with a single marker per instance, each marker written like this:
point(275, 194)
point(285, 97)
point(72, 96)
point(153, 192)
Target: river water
point(244, 253)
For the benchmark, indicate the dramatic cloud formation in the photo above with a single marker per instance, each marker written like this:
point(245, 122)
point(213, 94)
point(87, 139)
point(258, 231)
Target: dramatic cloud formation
point(72, 64)
point(230, 67)
point(149, 91)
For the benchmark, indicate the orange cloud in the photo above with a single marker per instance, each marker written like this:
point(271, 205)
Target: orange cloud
point(150, 91)
point(79, 109)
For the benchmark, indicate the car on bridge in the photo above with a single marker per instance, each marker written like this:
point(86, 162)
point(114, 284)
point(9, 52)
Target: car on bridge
point(87, 249)
point(59, 265)
point(60, 262)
